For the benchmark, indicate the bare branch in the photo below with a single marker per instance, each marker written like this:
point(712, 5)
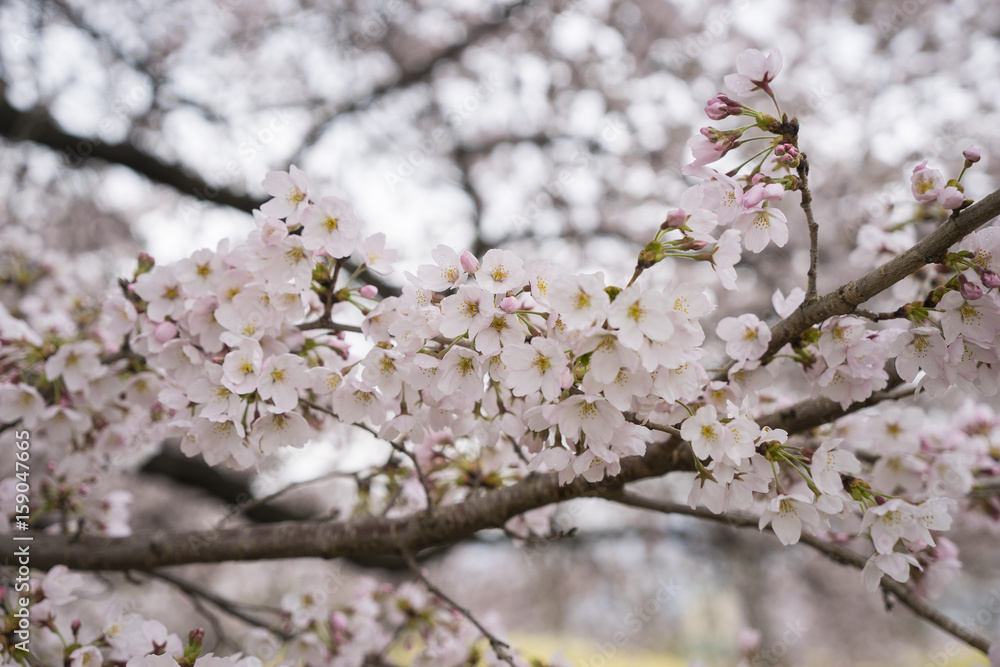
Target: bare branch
point(806, 204)
point(197, 592)
point(500, 648)
point(836, 553)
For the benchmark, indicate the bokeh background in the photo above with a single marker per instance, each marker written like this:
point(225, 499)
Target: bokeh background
point(556, 129)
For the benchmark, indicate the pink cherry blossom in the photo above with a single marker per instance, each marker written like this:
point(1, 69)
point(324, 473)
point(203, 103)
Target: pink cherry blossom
point(501, 271)
point(447, 273)
point(754, 71)
point(761, 226)
point(640, 314)
point(786, 514)
point(536, 366)
point(592, 415)
point(581, 300)
point(291, 194)
point(371, 252)
point(746, 336)
point(330, 227)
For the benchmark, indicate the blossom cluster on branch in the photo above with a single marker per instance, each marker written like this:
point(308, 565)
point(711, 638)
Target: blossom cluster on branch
point(487, 369)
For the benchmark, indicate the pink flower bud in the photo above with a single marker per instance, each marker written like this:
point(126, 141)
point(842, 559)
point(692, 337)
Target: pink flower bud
point(972, 154)
point(164, 331)
point(749, 639)
point(950, 197)
point(946, 549)
point(509, 304)
point(338, 621)
point(566, 378)
point(675, 218)
point(969, 291)
point(990, 279)
point(368, 291)
point(721, 106)
point(469, 262)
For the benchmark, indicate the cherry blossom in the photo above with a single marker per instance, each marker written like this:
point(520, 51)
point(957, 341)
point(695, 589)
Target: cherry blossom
point(291, 194)
point(786, 514)
point(330, 227)
point(746, 336)
point(754, 71)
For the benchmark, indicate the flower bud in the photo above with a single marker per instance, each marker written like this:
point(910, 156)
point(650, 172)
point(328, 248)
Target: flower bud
point(749, 639)
point(721, 106)
point(969, 291)
point(675, 218)
point(972, 154)
point(691, 244)
point(990, 279)
point(368, 291)
point(164, 331)
point(146, 264)
point(469, 262)
point(566, 378)
point(509, 304)
point(338, 621)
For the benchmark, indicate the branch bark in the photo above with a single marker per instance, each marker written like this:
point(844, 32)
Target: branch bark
point(365, 537)
point(845, 299)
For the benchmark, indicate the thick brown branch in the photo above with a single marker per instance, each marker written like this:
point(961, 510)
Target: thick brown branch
point(848, 297)
point(814, 412)
point(365, 537)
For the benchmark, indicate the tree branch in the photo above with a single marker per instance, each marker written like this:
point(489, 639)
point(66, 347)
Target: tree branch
point(845, 299)
point(38, 127)
point(500, 648)
point(364, 537)
point(806, 204)
point(836, 553)
point(381, 536)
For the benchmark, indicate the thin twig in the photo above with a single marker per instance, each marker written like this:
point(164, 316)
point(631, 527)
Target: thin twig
point(500, 648)
point(244, 507)
point(399, 447)
point(839, 554)
point(224, 605)
point(878, 317)
point(806, 205)
point(653, 426)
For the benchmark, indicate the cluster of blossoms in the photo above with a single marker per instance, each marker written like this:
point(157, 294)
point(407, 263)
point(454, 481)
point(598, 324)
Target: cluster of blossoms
point(314, 629)
point(243, 350)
